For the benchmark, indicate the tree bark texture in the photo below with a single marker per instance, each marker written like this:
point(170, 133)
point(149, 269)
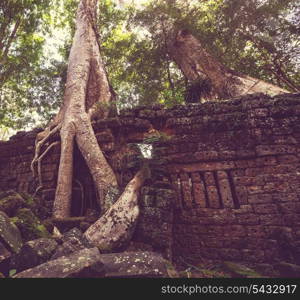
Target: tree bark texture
point(87, 92)
point(115, 228)
point(197, 63)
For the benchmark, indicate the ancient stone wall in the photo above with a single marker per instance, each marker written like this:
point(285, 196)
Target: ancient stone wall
point(227, 180)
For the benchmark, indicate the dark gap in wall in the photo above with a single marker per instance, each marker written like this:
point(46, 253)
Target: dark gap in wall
point(180, 190)
point(218, 189)
point(78, 193)
point(158, 123)
point(235, 198)
point(205, 189)
point(191, 189)
point(83, 182)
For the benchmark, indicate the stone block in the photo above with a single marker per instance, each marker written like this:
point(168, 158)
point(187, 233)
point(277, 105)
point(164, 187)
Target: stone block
point(72, 241)
point(235, 231)
point(248, 181)
point(147, 200)
point(213, 197)
point(244, 209)
point(217, 230)
point(165, 198)
point(248, 219)
point(255, 231)
point(261, 198)
point(275, 149)
point(4, 254)
point(274, 219)
point(266, 161)
point(230, 254)
point(206, 155)
point(213, 243)
point(256, 189)
point(244, 153)
point(238, 173)
point(210, 253)
point(209, 178)
point(10, 234)
point(288, 159)
point(242, 194)
point(63, 267)
point(283, 197)
point(292, 219)
point(33, 253)
point(287, 207)
point(186, 190)
point(226, 154)
point(267, 208)
point(225, 190)
point(199, 194)
point(241, 164)
point(234, 242)
point(254, 256)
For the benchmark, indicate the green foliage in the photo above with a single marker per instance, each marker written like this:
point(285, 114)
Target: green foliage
point(137, 65)
point(156, 137)
point(258, 38)
point(29, 85)
point(29, 225)
point(263, 38)
point(12, 272)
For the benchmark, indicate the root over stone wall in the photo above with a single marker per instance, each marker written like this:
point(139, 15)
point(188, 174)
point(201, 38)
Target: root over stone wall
point(227, 186)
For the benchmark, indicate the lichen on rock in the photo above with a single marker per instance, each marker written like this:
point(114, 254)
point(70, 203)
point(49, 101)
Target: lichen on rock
point(10, 202)
point(30, 225)
point(238, 270)
point(10, 234)
point(33, 253)
point(65, 266)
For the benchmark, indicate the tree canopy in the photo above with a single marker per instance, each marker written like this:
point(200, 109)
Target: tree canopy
point(258, 37)
point(25, 82)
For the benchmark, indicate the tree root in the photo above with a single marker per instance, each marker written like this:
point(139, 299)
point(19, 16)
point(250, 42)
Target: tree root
point(87, 89)
point(64, 223)
point(87, 86)
point(67, 220)
point(103, 176)
point(37, 190)
point(39, 144)
point(63, 194)
point(39, 161)
point(115, 228)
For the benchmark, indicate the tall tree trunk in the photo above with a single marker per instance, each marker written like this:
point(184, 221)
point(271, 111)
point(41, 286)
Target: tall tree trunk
point(87, 92)
point(86, 85)
point(196, 62)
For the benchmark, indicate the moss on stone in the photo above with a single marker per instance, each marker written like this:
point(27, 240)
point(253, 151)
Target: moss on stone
point(9, 234)
point(171, 270)
point(239, 270)
point(29, 200)
point(35, 204)
point(207, 273)
point(29, 224)
point(10, 202)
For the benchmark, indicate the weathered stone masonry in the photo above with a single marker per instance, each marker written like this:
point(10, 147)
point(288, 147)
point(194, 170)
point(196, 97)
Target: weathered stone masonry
point(227, 186)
